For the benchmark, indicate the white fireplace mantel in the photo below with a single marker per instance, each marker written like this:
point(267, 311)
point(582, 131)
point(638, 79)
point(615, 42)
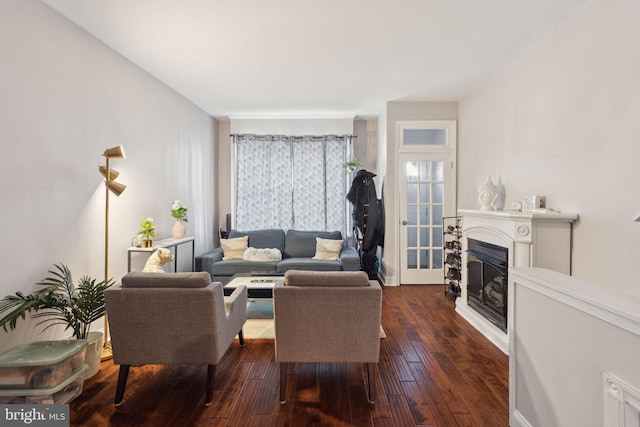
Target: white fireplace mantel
point(533, 239)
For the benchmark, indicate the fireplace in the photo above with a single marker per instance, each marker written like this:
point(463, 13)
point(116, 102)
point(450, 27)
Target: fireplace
point(487, 269)
point(507, 239)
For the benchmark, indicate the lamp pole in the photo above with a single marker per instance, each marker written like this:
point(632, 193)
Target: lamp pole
point(117, 189)
point(107, 353)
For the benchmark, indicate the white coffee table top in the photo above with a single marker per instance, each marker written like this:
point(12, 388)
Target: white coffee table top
point(254, 282)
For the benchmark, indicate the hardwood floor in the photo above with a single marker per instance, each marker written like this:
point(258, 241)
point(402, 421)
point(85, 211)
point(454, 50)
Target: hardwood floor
point(434, 370)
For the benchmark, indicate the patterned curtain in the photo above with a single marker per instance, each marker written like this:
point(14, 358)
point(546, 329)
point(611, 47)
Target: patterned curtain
point(292, 182)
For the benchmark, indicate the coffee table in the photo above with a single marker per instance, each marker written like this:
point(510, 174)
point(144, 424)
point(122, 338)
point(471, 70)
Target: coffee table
point(258, 286)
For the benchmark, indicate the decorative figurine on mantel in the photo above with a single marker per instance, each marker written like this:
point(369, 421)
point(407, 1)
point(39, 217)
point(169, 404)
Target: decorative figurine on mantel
point(487, 195)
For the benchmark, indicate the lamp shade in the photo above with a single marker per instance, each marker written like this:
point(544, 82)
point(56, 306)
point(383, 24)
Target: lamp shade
point(113, 174)
point(115, 187)
point(114, 152)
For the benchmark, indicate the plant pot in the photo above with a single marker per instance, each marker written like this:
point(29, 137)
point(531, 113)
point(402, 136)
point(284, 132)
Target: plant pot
point(147, 243)
point(178, 230)
point(93, 354)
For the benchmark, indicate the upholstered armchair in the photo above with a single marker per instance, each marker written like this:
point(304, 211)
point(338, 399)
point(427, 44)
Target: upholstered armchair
point(173, 319)
point(323, 316)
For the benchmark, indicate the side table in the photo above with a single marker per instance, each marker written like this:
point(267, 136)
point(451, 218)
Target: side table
point(166, 243)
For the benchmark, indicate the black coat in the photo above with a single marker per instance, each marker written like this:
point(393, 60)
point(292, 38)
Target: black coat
point(367, 210)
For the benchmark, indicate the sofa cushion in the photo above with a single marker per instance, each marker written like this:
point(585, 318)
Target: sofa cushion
point(234, 247)
point(301, 244)
point(326, 278)
point(137, 279)
point(268, 238)
point(233, 266)
point(309, 264)
point(328, 249)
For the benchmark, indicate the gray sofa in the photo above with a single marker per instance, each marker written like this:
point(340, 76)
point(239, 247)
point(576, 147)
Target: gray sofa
point(297, 248)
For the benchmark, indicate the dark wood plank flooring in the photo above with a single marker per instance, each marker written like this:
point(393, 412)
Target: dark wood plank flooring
point(435, 370)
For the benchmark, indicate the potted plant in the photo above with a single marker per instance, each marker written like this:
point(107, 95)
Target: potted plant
point(60, 302)
point(352, 164)
point(179, 212)
point(147, 232)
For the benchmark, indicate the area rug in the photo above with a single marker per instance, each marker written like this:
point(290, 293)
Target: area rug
point(259, 322)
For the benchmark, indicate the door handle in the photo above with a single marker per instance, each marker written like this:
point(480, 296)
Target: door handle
point(404, 223)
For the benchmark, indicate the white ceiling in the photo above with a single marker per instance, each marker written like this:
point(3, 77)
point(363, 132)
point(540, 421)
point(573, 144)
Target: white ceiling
point(318, 57)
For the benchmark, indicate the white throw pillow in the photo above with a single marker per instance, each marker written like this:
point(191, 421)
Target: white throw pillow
point(262, 254)
point(328, 249)
point(234, 248)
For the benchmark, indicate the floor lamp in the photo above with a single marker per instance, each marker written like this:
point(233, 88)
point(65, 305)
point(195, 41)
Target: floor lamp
point(116, 188)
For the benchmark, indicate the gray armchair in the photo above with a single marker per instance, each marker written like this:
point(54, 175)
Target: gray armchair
point(327, 317)
point(173, 319)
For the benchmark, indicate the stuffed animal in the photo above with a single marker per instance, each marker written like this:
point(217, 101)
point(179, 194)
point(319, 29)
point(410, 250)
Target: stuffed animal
point(155, 261)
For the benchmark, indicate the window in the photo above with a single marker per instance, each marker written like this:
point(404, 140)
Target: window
point(291, 182)
point(424, 137)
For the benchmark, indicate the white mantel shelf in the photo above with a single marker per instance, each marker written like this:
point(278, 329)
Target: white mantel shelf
point(516, 215)
point(533, 239)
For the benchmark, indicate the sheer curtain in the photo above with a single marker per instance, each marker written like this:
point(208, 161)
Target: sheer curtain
point(291, 182)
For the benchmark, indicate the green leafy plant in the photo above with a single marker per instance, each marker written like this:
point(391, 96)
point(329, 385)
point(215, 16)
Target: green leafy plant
point(59, 302)
point(178, 211)
point(352, 165)
point(147, 228)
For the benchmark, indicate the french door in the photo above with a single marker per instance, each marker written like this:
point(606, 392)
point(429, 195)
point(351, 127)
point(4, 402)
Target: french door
point(427, 194)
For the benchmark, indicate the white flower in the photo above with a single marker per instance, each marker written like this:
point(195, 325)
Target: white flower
point(176, 204)
point(149, 219)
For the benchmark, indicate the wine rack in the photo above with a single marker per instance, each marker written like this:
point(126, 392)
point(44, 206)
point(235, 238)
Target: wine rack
point(452, 233)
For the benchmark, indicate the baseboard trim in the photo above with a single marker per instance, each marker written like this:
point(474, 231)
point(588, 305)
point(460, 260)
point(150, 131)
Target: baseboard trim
point(518, 420)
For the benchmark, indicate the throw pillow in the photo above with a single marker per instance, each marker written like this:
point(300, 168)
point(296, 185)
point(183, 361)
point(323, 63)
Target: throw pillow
point(234, 248)
point(262, 254)
point(328, 249)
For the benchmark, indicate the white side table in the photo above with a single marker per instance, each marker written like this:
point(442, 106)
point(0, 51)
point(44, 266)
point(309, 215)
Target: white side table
point(166, 243)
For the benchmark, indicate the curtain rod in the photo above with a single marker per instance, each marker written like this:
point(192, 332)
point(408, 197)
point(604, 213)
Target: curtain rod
point(238, 135)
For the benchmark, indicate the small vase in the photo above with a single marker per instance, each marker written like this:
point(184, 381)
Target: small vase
point(147, 243)
point(178, 230)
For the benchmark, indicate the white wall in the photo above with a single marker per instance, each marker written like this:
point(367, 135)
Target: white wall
point(64, 98)
point(563, 122)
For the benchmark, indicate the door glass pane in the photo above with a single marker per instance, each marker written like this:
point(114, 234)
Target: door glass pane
point(424, 258)
point(424, 215)
point(412, 215)
point(437, 258)
point(425, 196)
point(438, 193)
point(412, 171)
point(438, 172)
point(412, 193)
point(424, 137)
point(425, 171)
point(424, 236)
point(412, 259)
point(437, 215)
point(412, 237)
point(437, 237)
